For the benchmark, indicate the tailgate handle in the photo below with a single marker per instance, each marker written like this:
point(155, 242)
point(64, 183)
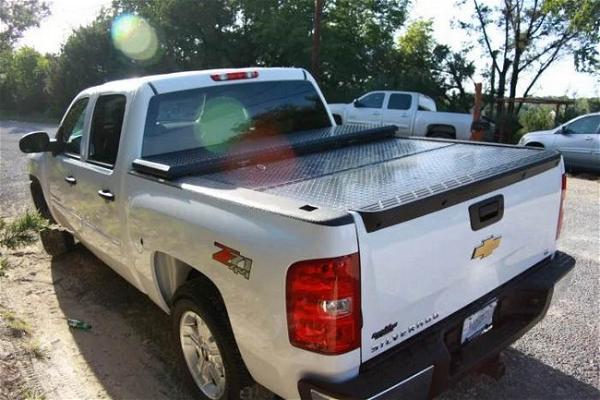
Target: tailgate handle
point(486, 212)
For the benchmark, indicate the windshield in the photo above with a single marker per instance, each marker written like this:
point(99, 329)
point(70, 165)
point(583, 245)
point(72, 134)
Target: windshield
point(222, 114)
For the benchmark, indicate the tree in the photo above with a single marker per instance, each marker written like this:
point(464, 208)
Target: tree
point(193, 34)
point(16, 16)
point(316, 39)
point(418, 63)
point(23, 82)
point(356, 35)
point(530, 35)
point(28, 77)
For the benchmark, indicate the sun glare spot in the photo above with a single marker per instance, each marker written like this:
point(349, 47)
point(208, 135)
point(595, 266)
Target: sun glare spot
point(134, 37)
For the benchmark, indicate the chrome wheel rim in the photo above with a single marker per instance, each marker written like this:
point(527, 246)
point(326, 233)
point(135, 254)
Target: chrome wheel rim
point(202, 355)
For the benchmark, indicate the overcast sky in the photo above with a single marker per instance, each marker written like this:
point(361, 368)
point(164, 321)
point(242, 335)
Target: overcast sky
point(560, 79)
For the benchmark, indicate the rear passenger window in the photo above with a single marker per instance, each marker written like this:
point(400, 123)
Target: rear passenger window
point(400, 102)
point(105, 132)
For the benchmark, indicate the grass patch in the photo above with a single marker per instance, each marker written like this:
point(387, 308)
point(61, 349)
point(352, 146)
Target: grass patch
point(21, 231)
point(34, 349)
point(29, 393)
point(17, 327)
point(4, 266)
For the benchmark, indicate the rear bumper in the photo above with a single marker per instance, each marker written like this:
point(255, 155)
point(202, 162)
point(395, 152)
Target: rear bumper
point(428, 363)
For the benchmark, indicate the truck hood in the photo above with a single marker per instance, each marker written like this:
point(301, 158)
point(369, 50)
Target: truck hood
point(337, 107)
point(541, 133)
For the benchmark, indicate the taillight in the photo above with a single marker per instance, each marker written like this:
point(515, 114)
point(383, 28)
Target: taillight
point(563, 194)
point(323, 304)
point(232, 76)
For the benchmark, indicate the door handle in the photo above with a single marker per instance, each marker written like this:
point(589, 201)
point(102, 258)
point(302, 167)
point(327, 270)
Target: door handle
point(589, 139)
point(70, 180)
point(376, 113)
point(486, 212)
point(106, 194)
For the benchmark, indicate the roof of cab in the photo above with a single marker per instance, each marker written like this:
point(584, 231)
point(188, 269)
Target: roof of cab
point(177, 81)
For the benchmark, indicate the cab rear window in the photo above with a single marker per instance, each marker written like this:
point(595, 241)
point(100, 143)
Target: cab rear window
point(229, 113)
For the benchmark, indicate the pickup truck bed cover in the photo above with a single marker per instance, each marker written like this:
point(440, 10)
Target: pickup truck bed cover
point(385, 179)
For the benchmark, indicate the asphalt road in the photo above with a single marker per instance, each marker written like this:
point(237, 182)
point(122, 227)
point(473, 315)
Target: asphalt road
point(558, 359)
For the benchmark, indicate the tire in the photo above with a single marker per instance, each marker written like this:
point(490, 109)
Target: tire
point(54, 241)
point(199, 298)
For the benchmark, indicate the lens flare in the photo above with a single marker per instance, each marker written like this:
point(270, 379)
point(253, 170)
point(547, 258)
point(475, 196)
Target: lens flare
point(134, 37)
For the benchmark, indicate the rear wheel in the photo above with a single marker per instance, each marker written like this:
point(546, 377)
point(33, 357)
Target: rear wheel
point(55, 241)
point(208, 353)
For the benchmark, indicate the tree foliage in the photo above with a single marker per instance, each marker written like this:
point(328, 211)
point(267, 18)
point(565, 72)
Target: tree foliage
point(16, 16)
point(529, 36)
point(23, 81)
point(364, 46)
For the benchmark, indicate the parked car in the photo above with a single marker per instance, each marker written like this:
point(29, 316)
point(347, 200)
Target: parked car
point(412, 113)
point(321, 261)
point(578, 140)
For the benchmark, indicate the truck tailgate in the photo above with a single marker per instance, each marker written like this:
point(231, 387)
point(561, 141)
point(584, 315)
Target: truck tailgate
point(410, 200)
point(420, 271)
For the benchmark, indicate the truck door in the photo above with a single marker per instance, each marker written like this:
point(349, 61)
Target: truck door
point(63, 168)
point(398, 112)
point(577, 141)
point(99, 183)
point(367, 109)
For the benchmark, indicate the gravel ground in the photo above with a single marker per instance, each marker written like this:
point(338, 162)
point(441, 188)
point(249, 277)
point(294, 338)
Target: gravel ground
point(128, 353)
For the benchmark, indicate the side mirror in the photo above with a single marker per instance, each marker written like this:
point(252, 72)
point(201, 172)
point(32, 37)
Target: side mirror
point(36, 142)
point(356, 103)
point(563, 130)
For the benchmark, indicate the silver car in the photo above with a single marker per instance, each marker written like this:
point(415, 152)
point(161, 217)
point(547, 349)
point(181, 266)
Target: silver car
point(578, 140)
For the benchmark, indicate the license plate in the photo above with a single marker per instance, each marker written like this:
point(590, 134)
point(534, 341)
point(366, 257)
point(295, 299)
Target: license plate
point(478, 323)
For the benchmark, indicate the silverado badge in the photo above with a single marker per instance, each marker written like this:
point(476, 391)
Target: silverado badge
point(486, 247)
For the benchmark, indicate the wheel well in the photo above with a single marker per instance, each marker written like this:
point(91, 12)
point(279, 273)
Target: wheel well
point(172, 273)
point(338, 119)
point(443, 130)
point(39, 201)
point(534, 144)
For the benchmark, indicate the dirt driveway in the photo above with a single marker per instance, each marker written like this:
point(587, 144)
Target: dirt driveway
point(128, 353)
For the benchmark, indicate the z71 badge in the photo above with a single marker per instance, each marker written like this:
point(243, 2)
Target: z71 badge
point(232, 258)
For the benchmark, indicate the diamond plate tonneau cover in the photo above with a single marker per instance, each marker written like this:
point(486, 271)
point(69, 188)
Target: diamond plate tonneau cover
point(311, 168)
point(376, 176)
point(232, 155)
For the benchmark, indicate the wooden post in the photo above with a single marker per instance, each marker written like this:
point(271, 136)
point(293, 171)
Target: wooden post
point(476, 127)
point(316, 43)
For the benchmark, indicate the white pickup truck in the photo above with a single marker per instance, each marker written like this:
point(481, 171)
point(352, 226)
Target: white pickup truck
point(319, 261)
point(412, 113)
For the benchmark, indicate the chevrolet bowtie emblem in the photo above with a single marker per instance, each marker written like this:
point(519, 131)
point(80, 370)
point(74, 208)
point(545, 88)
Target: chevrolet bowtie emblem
point(486, 247)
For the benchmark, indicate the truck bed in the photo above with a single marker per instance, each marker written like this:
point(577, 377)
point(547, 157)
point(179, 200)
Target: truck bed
point(385, 179)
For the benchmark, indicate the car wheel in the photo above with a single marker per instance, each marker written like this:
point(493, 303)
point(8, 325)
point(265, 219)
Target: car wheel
point(207, 349)
point(56, 241)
